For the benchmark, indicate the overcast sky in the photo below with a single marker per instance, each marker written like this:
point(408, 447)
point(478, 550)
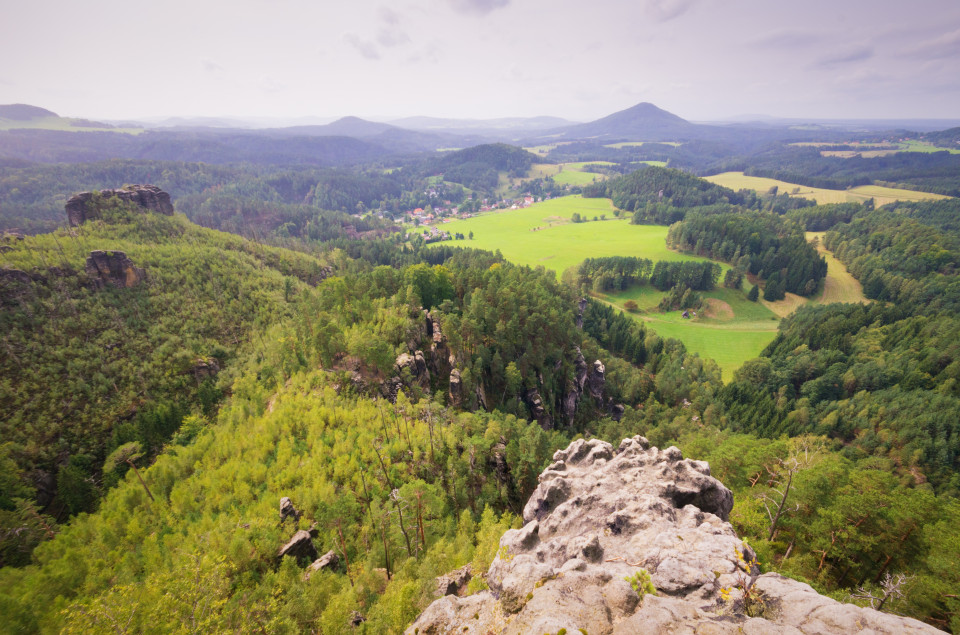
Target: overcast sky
point(701, 59)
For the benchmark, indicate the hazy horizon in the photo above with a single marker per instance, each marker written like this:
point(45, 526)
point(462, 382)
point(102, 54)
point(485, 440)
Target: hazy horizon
point(482, 59)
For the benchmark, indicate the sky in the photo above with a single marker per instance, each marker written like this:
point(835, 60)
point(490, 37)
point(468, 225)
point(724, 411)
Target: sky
point(581, 60)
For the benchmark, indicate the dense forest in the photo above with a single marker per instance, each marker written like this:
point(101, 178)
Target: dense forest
point(760, 243)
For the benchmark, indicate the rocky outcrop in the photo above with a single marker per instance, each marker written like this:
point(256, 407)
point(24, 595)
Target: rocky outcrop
point(456, 389)
point(287, 510)
point(596, 381)
point(440, 357)
point(416, 365)
point(299, 547)
point(88, 205)
point(535, 404)
point(454, 582)
point(113, 268)
point(205, 368)
point(603, 522)
point(329, 560)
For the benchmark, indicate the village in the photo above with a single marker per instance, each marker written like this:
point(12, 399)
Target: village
point(431, 218)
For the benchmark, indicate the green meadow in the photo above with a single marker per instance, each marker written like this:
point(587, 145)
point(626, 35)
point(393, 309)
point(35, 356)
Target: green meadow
point(543, 234)
point(730, 329)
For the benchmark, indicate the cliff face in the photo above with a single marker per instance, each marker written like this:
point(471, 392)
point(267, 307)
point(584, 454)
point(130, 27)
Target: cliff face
point(83, 206)
point(604, 524)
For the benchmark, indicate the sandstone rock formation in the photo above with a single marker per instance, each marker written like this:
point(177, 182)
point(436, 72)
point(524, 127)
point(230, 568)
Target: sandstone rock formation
point(456, 389)
point(299, 547)
point(205, 368)
point(454, 582)
point(113, 267)
point(329, 560)
point(602, 522)
point(287, 510)
point(86, 205)
point(416, 364)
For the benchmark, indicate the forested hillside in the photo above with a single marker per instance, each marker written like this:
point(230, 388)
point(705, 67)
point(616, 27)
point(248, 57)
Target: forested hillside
point(92, 361)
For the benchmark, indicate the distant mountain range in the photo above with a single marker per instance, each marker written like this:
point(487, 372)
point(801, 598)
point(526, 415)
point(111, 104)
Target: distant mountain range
point(31, 133)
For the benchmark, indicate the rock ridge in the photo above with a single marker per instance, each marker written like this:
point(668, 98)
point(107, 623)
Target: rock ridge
point(86, 205)
point(603, 525)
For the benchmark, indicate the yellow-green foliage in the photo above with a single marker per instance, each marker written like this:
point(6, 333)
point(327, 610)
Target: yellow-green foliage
point(203, 555)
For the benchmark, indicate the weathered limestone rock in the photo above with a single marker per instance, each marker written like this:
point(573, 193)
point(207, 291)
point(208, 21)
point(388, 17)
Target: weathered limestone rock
point(299, 547)
point(329, 560)
point(454, 582)
point(85, 205)
point(599, 516)
point(114, 268)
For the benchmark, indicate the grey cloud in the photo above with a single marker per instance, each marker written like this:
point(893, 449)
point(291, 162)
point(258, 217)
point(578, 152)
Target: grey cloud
point(478, 7)
point(846, 56)
point(945, 46)
point(392, 37)
point(666, 10)
point(365, 48)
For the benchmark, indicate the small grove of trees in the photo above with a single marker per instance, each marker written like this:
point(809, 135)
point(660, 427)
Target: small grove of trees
point(617, 273)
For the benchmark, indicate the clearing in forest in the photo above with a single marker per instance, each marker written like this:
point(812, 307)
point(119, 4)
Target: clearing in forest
point(729, 329)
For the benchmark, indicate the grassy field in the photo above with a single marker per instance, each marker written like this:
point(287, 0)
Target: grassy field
point(871, 150)
point(880, 195)
point(575, 177)
point(839, 285)
point(543, 234)
point(729, 330)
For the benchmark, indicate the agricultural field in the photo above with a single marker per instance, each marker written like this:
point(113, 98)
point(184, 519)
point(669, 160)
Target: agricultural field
point(880, 195)
point(872, 150)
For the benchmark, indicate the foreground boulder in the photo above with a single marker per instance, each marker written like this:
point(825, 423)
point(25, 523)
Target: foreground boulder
point(86, 205)
point(606, 527)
